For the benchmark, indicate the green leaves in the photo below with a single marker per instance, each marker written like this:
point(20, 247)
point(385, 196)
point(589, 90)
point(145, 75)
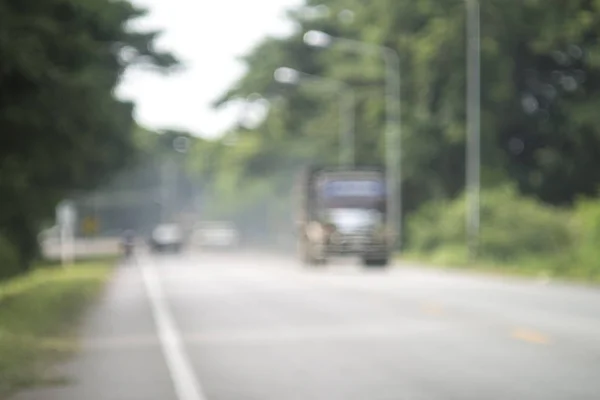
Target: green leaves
point(540, 72)
point(62, 128)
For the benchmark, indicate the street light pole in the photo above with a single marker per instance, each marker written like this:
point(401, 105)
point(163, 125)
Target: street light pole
point(473, 153)
point(168, 178)
point(170, 174)
point(394, 142)
point(393, 132)
point(347, 128)
point(347, 108)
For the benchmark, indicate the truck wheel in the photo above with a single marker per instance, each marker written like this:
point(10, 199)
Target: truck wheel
point(380, 262)
point(321, 261)
point(305, 252)
point(311, 260)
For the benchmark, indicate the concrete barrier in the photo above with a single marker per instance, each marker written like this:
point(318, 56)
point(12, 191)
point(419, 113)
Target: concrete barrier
point(83, 247)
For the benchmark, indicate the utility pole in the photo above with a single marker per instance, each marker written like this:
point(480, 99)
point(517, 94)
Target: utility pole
point(473, 153)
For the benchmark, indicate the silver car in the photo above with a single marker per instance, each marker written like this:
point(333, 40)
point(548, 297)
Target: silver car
point(215, 235)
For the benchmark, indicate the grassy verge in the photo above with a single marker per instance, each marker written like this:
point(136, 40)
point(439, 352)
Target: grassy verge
point(519, 236)
point(562, 270)
point(38, 316)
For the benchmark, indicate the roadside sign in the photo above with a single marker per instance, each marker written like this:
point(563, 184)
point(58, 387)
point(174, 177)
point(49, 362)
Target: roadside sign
point(66, 214)
point(90, 225)
point(181, 144)
point(66, 218)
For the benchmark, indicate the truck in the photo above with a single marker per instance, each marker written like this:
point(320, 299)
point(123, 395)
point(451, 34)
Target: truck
point(341, 211)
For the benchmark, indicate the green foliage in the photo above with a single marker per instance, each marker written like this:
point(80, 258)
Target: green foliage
point(586, 223)
point(62, 128)
point(518, 235)
point(9, 258)
point(513, 228)
point(540, 72)
point(37, 311)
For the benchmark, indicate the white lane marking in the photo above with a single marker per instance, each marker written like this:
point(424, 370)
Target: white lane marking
point(186, 385)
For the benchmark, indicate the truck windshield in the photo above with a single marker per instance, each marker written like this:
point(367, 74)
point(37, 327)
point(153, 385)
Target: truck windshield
point(353, 218)
point(366, 188)
point(365, 194)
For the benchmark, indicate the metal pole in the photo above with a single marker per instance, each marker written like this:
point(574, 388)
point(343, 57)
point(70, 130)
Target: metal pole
point(164, 192)
point(66, 224)
point(63, 245)
point(168, 180)
point(347, 117)
point(347, 128)
point(393, 145)
point(347, 110)
point(67, 246)
point(473, 153)
point(175, 198)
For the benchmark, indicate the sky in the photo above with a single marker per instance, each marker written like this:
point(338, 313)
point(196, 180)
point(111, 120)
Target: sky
point(209, 37)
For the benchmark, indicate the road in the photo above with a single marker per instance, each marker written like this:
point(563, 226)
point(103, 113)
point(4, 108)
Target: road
point(259, 327)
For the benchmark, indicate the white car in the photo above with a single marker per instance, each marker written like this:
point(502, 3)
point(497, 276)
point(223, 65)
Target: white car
point(167, 237)
point(215, 235)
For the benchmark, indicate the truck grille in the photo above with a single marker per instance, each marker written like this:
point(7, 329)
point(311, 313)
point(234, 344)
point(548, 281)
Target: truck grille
point(355, 243)
point(358, 237)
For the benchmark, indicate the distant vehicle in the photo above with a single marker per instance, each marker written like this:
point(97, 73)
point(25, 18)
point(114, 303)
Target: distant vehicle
point(215, 235)
point(341, 211)
point(167, 237)
point(128, 240)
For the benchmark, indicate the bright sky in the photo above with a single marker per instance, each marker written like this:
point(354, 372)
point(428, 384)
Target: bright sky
point(209, 36)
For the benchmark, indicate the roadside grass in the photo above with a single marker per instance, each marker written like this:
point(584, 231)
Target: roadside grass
point(519, 236)
point(556, 268)
point(38, 319)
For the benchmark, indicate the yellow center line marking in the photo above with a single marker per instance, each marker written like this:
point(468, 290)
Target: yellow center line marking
point(531, 336)
point(432, 309)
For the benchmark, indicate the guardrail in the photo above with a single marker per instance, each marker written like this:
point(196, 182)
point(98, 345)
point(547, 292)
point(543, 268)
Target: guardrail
point(83, 247)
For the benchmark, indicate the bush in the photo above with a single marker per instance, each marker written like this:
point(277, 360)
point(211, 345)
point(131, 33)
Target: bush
point(512, 228)
point(9, 258)
point(586, 228)
point(38, 313)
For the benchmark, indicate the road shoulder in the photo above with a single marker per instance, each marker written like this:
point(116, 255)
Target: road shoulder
point(120, 355)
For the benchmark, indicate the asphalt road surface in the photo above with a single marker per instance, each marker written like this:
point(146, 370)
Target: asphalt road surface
point(260, 327)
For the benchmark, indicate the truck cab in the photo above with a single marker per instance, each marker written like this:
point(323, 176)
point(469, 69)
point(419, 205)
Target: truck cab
point(342, 212)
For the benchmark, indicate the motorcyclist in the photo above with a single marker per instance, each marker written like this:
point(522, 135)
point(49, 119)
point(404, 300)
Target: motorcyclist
point(128, 242)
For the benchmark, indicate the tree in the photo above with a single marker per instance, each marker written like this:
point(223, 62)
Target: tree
point(540, 69)
point(62, 128)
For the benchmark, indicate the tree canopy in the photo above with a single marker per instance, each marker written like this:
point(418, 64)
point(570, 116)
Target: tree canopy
point(62, 128)
point(540, 73)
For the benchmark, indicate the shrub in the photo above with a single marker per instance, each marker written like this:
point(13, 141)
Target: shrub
point(38, 314)
point(586, 228)
point(512, 227)
point(9, 258)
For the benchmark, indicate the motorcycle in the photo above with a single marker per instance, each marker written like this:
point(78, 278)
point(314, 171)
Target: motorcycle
point(127, 250)
point(128, 246)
